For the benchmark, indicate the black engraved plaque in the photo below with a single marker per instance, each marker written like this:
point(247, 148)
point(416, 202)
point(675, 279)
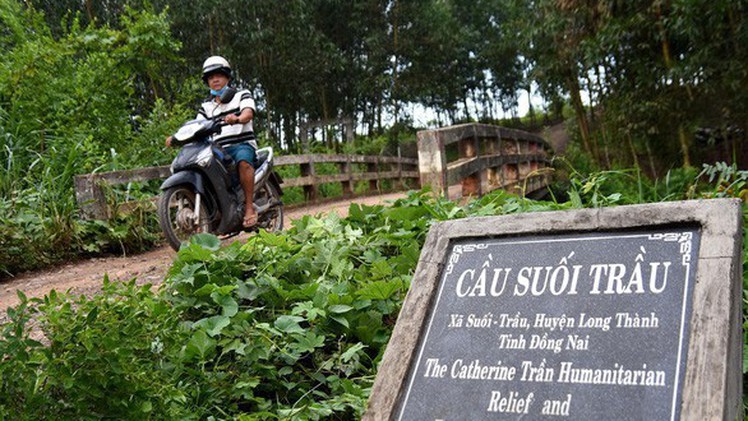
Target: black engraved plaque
point(585, 326)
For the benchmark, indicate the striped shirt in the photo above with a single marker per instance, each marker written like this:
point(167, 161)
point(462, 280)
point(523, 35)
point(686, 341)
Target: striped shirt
point(234, 133)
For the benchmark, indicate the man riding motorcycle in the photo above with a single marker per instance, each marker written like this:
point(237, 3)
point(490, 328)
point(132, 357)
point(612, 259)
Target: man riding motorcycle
point(237, 138)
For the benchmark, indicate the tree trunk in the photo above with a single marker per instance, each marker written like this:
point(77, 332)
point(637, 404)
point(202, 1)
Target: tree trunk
point(379, 115)
point(396, 51)
point(289, 129)
point(89, 11)
point(576, 102)
point(530, 110)
point(593, 119)
point(667, 58)
point(269, 112)
point(154, 88)
point(588, 79)
point(684, 147)
point(633, 150)
point(652, 166)
point(210, 35)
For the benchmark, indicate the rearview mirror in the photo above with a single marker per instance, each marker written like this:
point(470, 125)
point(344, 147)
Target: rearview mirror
point(227, 95)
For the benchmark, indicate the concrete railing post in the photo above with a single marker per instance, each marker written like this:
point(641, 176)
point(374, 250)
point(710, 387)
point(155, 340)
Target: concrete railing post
point(401, 181)
point(347, 184)
point(471, 185)
point(432, 162)
point(310, 191)
point(373, 167)
point(90, 197)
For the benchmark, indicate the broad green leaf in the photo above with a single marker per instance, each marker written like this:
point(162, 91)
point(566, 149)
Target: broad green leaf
point(309, 309)
point(247, 291)
point(340, 266)
point(367, 326)
point(372, 255)
point(213, 325)
point(204, 290)
point(187, 274)
point(352, 351)
point(146, 407)
point(353, 234)
point(342, 320)
point(576, 200)
point(200, 248)
point(308, 342)
point(274, 240)
point(237, 346)
point(194, 252)
point(300, 292)
point(225, 289)
point(92, 315)
point(21, 296)
point(245, 387)
point(379, 290)
point(405, 213)
point(200, 346)
point(229, 306)
point(356, 212)
point(289, 324)
point(340, 308)
point(381, 269)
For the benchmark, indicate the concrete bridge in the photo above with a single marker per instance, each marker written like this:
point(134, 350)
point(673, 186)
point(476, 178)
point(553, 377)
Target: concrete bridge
point(476, 157)
point(481, 158)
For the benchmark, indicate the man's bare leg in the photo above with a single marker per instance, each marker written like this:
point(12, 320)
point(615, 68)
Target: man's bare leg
point(247, 180)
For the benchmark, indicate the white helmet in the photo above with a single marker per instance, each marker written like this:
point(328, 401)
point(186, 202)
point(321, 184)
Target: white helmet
point(216, 64)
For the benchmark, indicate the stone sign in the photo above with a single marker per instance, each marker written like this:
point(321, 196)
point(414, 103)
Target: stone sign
point(579, 315)
point(578, 325)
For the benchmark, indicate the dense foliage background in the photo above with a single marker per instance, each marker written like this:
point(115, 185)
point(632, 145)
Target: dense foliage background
point(654, 71)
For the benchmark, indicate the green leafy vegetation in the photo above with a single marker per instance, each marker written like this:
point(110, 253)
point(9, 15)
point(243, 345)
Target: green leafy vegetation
point(287, 326)
point(73, 104)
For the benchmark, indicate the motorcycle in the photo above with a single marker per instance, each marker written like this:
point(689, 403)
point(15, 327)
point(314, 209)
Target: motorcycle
point(203, 194)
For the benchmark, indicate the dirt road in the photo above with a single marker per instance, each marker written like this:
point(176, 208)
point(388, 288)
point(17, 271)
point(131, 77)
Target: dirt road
point(85, 276)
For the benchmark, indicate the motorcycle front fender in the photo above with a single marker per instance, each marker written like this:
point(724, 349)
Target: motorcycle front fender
point(276, 180)
point(185, 177)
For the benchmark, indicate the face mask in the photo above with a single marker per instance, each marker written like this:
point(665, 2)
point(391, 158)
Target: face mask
point(218, 92)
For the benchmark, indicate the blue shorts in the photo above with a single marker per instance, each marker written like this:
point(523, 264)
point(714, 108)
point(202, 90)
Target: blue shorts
point(242, 152)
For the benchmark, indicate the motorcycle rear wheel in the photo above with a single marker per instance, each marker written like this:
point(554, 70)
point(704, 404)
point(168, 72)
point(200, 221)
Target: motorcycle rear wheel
point(272, 219)
point(176, 215)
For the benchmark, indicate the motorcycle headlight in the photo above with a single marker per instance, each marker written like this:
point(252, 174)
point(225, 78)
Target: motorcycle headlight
point(203, 158)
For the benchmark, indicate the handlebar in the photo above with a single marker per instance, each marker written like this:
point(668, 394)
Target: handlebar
point(205, 129)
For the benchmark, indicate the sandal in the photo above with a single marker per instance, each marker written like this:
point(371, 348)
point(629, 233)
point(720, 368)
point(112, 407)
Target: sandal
point(250, 221)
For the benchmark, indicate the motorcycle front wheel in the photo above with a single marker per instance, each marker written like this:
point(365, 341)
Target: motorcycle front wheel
point(177, 216)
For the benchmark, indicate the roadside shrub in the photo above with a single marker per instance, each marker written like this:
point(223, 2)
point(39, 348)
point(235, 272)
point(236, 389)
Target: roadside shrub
point(109, 356)
point(74, 104)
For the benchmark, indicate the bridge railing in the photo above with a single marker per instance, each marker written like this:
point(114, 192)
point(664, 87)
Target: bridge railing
point(479, 157)
point(482, 158)
point(92, 200)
